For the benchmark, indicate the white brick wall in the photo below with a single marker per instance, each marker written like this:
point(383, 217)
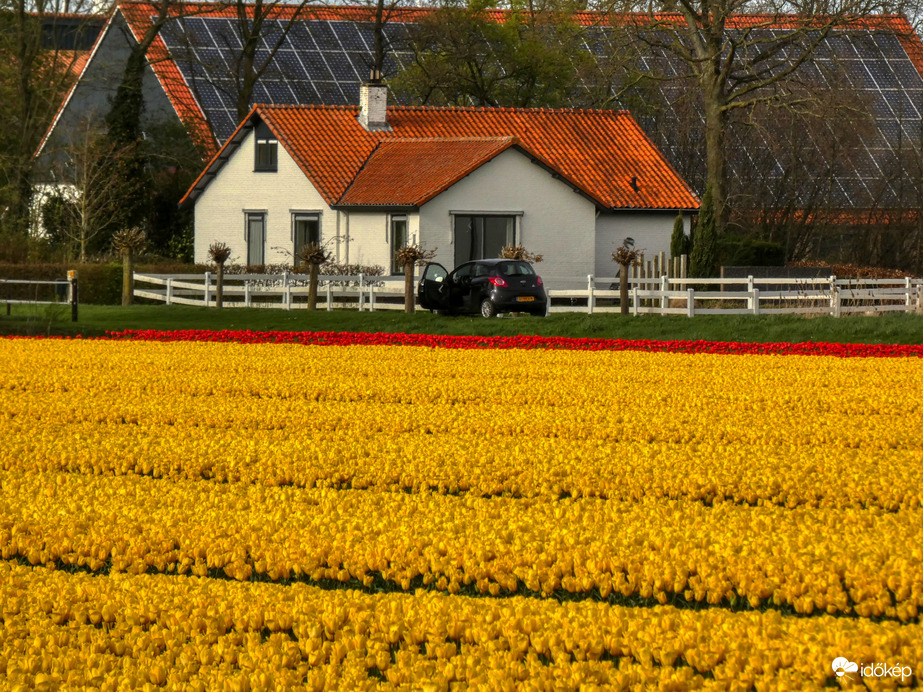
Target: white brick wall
point(219, 211)
point(556, 221)
point(651, 232)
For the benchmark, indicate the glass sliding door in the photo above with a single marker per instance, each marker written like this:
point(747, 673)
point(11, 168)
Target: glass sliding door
point(256, 239)
point(481, 237)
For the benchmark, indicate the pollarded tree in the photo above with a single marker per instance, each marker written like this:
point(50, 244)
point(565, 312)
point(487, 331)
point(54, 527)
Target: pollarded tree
point(219, 253)
point(313, 255)
point(518, 252)
point(411, 256)
point(626, 256)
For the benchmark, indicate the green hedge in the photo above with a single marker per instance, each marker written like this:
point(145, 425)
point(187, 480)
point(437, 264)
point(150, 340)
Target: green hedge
point(747, 252)
point(99, 284)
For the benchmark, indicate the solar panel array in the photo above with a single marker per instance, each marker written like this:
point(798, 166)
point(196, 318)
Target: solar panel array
point(325, 61)
point(860, 164)
point(317, 62)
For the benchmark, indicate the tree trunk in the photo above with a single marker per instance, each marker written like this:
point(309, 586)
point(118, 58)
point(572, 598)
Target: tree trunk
point(128, 277)
point(312, 286)
point(409, 305)
point(716, 124)
point(623, 289)
point(219, 288)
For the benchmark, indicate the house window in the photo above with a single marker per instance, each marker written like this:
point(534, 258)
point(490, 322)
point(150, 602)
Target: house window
point(398, 240)
point(306, 229)
point(256, 239)
point(481, 237)
point(267, 149)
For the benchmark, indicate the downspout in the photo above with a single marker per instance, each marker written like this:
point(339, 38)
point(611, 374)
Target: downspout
point(347, 236)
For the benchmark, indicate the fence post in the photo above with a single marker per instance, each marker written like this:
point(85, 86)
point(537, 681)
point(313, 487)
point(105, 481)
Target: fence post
point(329, 295)
point(371, 297)
point(248, 299)
point(287, 285)
point(908, 289)
point(72, 293)
point(635, 301)
point(663, 294)
point(690, 302)
point(590, 293)
point(749, 292)
point(361, 296)
point(834, 298)
point(170, 290)
point(755, 301)
point(208, 285)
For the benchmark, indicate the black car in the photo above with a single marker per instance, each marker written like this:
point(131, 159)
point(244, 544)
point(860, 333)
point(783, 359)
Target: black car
point(488, 286)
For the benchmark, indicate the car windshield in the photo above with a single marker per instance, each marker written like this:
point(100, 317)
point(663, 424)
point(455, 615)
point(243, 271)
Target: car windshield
point(516, 269)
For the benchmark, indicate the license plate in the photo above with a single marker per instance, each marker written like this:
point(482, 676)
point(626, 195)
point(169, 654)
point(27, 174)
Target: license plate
point(525, 299)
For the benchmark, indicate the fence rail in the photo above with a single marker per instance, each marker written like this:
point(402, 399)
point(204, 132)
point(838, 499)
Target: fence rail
point(647, 295)
point(64, 288)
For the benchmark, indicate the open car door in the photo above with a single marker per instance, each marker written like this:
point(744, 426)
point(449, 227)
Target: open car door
point(433, 292)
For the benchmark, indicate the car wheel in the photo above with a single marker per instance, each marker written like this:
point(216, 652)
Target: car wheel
point(488, 309)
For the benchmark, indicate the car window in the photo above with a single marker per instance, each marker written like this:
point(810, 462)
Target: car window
point(462, 271)
point(480, 270)
point(434, 272)
point(516, 269)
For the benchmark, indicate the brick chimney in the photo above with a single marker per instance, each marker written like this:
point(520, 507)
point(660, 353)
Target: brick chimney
point(373, 104)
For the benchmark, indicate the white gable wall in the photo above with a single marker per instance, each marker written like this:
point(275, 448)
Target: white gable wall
point(651, 232)
point(220, 211)
point(554, 220)
point(370, 237)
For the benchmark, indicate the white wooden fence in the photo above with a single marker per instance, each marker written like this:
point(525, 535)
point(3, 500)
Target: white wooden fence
point(285, 291)
point(663, 296)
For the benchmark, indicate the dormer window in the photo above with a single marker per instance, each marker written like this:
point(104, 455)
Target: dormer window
point(267, 149)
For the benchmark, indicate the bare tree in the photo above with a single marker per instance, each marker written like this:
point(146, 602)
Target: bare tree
point(737, 61)
point(91, 195)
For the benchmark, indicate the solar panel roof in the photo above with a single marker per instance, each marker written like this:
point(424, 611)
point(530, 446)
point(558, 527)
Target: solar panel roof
point(324, 60)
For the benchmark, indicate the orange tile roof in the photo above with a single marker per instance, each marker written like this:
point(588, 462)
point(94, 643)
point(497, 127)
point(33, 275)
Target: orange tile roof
point(410, 172)
point(599, 152)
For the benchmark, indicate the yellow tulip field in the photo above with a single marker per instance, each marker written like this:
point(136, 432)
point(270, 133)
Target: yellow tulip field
point(212, 516)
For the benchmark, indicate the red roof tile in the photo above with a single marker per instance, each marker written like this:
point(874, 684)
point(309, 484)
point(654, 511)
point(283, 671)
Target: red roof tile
point(599, 152)
point(410, 172)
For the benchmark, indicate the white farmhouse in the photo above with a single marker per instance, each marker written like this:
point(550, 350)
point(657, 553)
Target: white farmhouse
point(568, 184)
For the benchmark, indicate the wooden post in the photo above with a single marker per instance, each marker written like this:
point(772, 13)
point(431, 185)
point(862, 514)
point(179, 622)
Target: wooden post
point(664, 287)
point(208, 285)
point(635, 301)
point(287, 288)
point(834, 298)
point(755, 301)
point(74, 298)
point(591, 298)
point(329, 296)
point(361, 296)
point(169, 290)
point(409, 304)
point(128, 277)
point(690, 302)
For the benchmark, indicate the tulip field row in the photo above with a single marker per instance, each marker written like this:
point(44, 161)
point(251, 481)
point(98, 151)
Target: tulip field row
point(756, 430)
point(370, 513)
point(125, 631)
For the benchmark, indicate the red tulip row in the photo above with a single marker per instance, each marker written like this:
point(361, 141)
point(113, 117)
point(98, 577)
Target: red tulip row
point(524, 342)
